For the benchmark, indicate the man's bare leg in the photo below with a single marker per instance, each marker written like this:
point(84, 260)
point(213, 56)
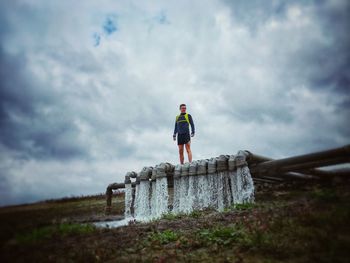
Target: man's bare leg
point(188, 150)
point(181, 153)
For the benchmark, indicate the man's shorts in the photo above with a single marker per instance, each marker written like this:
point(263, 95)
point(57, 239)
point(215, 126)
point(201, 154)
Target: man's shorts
point(183, 138)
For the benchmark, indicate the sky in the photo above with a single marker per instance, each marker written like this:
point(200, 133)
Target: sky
point(90, 90)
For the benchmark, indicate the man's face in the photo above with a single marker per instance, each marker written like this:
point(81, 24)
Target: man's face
point(183, 109)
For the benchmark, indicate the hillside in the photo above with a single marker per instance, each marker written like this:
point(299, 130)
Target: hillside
point(288, 223)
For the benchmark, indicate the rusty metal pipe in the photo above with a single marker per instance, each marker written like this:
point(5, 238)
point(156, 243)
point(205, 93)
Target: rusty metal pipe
point(109, 193)
point(341, 172)
point(263, 180)
point(321, 163)
point(261, 165)
point(308, 168)
point(253, 158)
point(304, 168)
point(286, 176)
point(306, 158)
point(254, 169)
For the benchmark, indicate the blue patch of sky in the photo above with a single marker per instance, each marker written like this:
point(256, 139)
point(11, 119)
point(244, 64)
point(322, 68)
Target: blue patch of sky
point(110, 25)
point(97, 39)
point(162, 18)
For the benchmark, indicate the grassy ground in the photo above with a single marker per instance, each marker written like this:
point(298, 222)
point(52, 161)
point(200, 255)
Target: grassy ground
point(310, 224)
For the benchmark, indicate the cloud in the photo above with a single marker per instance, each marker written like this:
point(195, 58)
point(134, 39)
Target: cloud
point(76, 116)
point(331, 64)
point(32, 120)
point(254, 14)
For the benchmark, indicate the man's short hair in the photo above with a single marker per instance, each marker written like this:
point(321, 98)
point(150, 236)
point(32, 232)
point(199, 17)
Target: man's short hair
point(182, 105)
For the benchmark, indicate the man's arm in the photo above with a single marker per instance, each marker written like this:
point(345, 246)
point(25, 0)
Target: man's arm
point(175, 131)
point(192, 124)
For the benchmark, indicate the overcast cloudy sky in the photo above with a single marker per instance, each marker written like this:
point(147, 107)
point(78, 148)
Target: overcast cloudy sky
point(90, 90)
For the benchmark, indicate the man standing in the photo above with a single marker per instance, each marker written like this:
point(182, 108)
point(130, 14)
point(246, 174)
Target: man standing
point(182, 129)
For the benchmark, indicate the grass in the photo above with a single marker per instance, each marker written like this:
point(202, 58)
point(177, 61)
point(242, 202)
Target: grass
point(164, 237)
point(302, 225)
point(324, 194)
point(318, 235)
point(220, 235)
point(18, 219)
point(193, 214)
point(240, 207)
point(47, 232)
point(196, 214)
point(172, 216)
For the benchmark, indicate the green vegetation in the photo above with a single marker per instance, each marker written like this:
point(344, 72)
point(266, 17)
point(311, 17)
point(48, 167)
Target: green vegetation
point(324, 195)
point(245, 206)
point(307, 224)
point(195, 214)
point(23, 218)
point(164, 237)
point(220, 235)
point(39, 234)
point(172, 216)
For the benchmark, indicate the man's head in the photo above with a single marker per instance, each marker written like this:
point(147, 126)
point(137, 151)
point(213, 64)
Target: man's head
point(183, 108)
